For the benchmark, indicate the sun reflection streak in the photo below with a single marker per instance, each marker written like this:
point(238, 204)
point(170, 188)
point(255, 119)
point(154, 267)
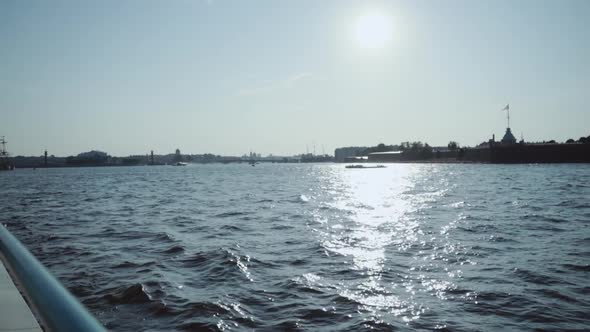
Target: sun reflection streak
point(373, 208)
point(376, 212)
point(367, 216)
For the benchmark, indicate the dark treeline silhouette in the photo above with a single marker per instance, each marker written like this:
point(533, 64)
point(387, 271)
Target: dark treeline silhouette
point(583, 140)
point(416, 150)
point(453, 146)
point(95, 158)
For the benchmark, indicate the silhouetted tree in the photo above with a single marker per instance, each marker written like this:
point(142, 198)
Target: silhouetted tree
point(453, 146)
point(570, 141)
point(404, 146)
point(416, 146)
point(89, 158)
point(426, 151)
point(582, 139)
point(416, 150)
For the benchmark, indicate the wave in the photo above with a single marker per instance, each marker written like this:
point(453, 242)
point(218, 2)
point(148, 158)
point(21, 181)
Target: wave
point(219, 265)
point(577, 267)
point(199, 326)
point(230, 214)
point(135, 293)
point(174, 250)
point(128, 265)
point(536, 278)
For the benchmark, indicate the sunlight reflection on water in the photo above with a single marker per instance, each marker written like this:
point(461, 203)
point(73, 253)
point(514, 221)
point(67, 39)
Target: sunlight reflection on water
point(375, 204)
point(376, 212)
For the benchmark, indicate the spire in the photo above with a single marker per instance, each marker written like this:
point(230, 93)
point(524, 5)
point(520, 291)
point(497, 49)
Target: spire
point(508, 137)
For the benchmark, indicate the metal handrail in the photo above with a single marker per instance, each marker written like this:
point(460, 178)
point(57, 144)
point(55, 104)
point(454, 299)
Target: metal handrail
point(58, 309)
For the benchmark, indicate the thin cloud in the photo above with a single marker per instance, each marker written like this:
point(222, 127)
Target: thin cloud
point(271, 86)
point(298, 77)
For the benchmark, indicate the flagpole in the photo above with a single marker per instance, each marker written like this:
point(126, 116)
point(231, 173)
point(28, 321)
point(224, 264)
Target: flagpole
point(507, 109)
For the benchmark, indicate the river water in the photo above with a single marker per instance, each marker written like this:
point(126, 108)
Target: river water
point(313, 247)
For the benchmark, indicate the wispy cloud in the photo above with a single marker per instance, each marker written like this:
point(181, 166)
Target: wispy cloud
point(298, 77)
point(273, 85)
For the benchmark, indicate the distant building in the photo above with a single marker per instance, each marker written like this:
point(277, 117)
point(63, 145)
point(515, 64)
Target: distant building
point(388, 156)
point(441, 149)
point(341, 154)
point(356, 159)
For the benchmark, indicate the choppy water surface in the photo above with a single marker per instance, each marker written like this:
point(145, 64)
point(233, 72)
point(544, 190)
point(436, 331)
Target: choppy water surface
point(313, 247)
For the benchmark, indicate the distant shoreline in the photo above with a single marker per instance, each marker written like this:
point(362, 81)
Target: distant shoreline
point(466, 162)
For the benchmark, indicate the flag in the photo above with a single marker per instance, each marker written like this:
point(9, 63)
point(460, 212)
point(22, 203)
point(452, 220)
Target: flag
point(506, 108)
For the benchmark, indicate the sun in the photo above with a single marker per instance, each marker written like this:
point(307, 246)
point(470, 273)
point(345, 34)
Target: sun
point(372, 30)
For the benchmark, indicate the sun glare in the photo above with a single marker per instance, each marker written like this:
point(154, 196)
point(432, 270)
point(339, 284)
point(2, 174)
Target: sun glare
point(372, 30)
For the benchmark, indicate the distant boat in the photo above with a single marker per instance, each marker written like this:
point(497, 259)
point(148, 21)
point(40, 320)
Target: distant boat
point(180, 163)
point(363, 166)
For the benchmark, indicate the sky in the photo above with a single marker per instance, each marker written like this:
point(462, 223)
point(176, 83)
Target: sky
point(283, 77)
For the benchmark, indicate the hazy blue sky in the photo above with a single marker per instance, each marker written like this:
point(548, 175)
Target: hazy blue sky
point(274, 76)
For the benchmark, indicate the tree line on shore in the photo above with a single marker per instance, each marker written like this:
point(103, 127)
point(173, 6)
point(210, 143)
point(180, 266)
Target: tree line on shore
point(580, 140)
point(414, 150)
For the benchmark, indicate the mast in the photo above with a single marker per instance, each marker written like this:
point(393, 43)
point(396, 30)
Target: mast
point(3, 152)
point(4, 160)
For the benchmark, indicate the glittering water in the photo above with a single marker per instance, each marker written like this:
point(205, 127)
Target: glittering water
point(313, 247)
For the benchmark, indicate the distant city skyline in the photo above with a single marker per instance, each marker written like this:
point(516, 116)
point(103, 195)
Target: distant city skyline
point(230, 77)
